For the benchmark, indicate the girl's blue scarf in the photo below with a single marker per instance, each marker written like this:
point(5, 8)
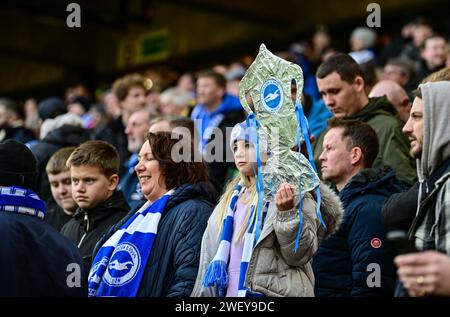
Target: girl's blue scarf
point(216, 274)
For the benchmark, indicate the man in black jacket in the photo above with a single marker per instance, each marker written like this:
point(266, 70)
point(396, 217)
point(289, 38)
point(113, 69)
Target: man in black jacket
point(94, 166)
point(36, 260)
point(344, 264)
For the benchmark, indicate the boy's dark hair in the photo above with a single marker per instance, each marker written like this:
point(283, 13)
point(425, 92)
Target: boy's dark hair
point(342, 64)
point(175, 173)
point(96, 153)
point(219, 79)
point(57, 162)
point(358, 134)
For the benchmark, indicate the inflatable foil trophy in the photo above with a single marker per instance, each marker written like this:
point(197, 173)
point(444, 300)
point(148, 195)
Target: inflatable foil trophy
point(273, 116)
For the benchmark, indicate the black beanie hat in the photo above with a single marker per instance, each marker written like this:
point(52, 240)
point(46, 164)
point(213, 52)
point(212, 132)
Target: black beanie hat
point(17, 165)
point(50, 108)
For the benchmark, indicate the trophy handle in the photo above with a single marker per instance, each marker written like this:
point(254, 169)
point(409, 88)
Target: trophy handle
point(243, 94)
point(298, 77)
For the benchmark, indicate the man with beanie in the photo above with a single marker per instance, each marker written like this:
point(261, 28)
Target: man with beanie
point(35, 259)
point(50, 108)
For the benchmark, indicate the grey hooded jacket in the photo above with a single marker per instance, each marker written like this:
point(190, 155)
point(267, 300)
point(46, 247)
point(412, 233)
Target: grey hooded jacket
point(431, 227)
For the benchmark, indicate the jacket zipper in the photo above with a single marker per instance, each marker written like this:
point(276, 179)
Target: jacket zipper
point(86, 218)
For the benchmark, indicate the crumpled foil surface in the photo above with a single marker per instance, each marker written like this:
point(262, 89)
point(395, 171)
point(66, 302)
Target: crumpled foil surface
point(268, 82)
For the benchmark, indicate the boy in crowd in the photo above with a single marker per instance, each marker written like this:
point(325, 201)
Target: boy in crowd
point(61, 187)
point(94, 168)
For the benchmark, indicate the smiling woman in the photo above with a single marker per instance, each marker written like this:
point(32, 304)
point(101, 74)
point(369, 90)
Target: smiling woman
point(158, 171)
point(154, 251)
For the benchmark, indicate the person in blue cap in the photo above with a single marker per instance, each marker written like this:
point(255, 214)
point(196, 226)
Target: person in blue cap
point(233, 262)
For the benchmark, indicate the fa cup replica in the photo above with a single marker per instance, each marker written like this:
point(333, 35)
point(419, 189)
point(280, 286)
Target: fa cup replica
point(265, 93)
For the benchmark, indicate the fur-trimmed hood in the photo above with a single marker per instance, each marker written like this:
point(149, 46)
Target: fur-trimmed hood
point(332, 211)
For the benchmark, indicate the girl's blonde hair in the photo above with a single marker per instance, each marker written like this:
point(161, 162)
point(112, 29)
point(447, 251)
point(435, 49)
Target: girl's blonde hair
point(249, 183)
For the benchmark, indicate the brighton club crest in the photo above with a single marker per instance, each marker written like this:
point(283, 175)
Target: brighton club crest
point(123, 266)
point(272, 95)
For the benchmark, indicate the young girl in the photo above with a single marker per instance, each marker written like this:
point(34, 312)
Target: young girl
point(233, 262)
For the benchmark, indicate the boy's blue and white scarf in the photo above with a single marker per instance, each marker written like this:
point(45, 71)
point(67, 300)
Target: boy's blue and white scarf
point(23, 201)
point(120, 263)
point(216, 274)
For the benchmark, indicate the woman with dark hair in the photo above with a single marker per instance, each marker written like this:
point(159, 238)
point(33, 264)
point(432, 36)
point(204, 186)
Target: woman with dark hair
point(154, 251)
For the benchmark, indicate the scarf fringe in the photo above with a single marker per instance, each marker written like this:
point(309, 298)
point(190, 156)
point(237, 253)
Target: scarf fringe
point(217, 275)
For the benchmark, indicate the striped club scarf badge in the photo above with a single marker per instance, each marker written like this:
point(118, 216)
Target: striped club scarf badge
point(120, 263)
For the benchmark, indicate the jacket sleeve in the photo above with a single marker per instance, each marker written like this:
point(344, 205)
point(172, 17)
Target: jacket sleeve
point(399, 210)
point(368, 257)
point(210, 244)
point(187, 242)
point(286, 226)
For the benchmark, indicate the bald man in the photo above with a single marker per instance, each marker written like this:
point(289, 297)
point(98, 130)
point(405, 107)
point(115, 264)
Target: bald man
point(395, 94)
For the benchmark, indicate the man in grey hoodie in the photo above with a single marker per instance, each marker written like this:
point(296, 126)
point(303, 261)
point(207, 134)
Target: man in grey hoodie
point(428, 273)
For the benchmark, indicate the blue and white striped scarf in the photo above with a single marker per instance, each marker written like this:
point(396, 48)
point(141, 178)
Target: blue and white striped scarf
point(216, 274)
point(23, 201)
point(120, 263)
